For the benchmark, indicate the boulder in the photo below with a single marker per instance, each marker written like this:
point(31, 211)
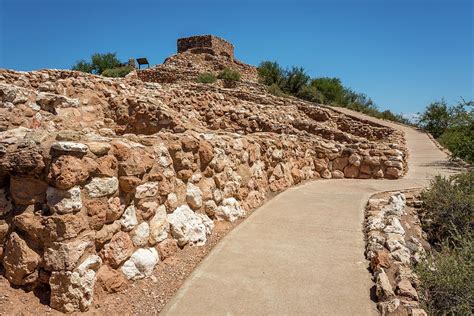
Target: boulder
point(193, 196)
point(159, 226)
point(119, 249)
point(140, 235)
point(73, 291)
point(20, 261)
point(187, 227)
point(67, 172)
point(229, 210)
point(141, 264)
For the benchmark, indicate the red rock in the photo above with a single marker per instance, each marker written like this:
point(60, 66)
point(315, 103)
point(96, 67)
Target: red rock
point(67, 172)
point(110, 280)
point(20, 261)
point(380, 260)
point(27, 191)
point(118, 250)
point(167, 248)
point(206, 153)
point(97, 212)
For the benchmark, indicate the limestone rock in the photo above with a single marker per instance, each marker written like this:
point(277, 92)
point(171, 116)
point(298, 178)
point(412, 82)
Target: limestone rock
point(187, 227)
point(193, 196)
point(383, 288)
point(229, 210)
point(140, 264)
point(148, 189)
point(159, 226)
point(74, 290)
point(129, 218)
point(70, 147)
point(63, 202)
point(140, 235)
point(99, 187)
point(65, 255)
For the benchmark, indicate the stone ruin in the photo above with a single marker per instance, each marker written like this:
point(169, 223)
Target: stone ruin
point(101, 177)
point(208, 44)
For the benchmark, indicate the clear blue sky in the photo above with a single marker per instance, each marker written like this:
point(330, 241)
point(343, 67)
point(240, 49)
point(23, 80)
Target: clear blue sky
point(403, 54)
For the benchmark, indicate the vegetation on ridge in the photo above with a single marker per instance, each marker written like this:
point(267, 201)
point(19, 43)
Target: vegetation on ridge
point(103, 64)
point(324, 90)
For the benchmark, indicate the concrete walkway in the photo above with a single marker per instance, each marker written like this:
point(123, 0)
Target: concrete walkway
point(302, 252)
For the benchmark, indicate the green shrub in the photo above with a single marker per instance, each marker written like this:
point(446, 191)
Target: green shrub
point(229, 75)
point(448, 207)
point(117, 72)
point(98, 64)
point(295, 80)
point(270, 73)
point(276, 91)
point(447, 286)
point(206, 77)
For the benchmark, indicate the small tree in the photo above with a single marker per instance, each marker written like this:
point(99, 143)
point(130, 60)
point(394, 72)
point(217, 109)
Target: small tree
point(98, 64)
point(435, 120)
point(296, 79)
point(270, 73)
point(230, 77)
point(206, 77)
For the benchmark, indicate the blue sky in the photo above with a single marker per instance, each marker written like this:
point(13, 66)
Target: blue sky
point(403, 54)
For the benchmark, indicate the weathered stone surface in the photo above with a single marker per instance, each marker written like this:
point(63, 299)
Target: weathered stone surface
point(140, 264)
point(229, 210)
point(167, 248)
point(97, 212)
point(20, 261)
point(63, 202)
point(110, 280)
point(159, 226)
point(383, 288)
point(70, 147)
point(65, 255)
point(25, 191)
point(5, 203)
point(99, 149)
point(74, 290)
point(99, 187)
point(187, 227)
point(193, 196)
point(67, 172)
point(405, 288)
point(119, 249)
point(140, 235)
point(129, 218)
point(148, 189)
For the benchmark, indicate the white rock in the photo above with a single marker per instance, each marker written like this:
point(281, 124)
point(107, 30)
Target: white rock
point(395, 227)
point(70, 147)
point(159, 226)
point(141, 234)
point(172, 200)
point(163, 155)
point(99, 187)
point(5, 203)
point(148, 189)
point(187, 227)
point(193, 196)
point(129, 218)
point(402, 255)
point(63, 202)
point(208, 223)
point(229, 210)
point(140, 264)
point(396, 206)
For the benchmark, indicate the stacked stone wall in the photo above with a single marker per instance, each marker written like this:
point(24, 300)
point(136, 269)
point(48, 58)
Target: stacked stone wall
point(208, 44)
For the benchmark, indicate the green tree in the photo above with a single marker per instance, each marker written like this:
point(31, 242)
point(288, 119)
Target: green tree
point(270, 73)
point(436, 118)
point(331, 89)
point(98, 64)
point(295, 80)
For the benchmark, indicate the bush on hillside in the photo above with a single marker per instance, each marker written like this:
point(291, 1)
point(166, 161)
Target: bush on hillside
point(453, 126)
point(117, 72)
point(270, 73)
point(98, 63)
point(446, 278)
point(230, 77)
point(276, 91)
point(295, 80)
point(206, 77)
point(448, 207)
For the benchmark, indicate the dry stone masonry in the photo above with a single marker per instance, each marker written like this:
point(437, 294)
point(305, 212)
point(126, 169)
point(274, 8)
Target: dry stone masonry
point(98, 176)
point(395, 241)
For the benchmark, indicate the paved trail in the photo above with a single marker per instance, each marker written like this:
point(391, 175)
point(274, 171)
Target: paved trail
point(302, 252)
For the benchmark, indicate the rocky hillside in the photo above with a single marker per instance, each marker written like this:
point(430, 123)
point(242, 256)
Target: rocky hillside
point(99, 176)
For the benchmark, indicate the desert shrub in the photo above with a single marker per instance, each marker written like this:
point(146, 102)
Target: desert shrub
point(98, 63)
point(270, 73)
point(275, 90)
point(448, 207)
point(229, 75)
point(435, 119)
point(117, 72)
point(446, 278)
point(295, 80)
point(206, 77)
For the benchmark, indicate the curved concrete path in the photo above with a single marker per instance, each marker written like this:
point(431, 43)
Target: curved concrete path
point(303, 251)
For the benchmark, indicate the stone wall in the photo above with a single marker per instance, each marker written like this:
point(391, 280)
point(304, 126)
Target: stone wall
point(206, 44)
point(101, 178)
